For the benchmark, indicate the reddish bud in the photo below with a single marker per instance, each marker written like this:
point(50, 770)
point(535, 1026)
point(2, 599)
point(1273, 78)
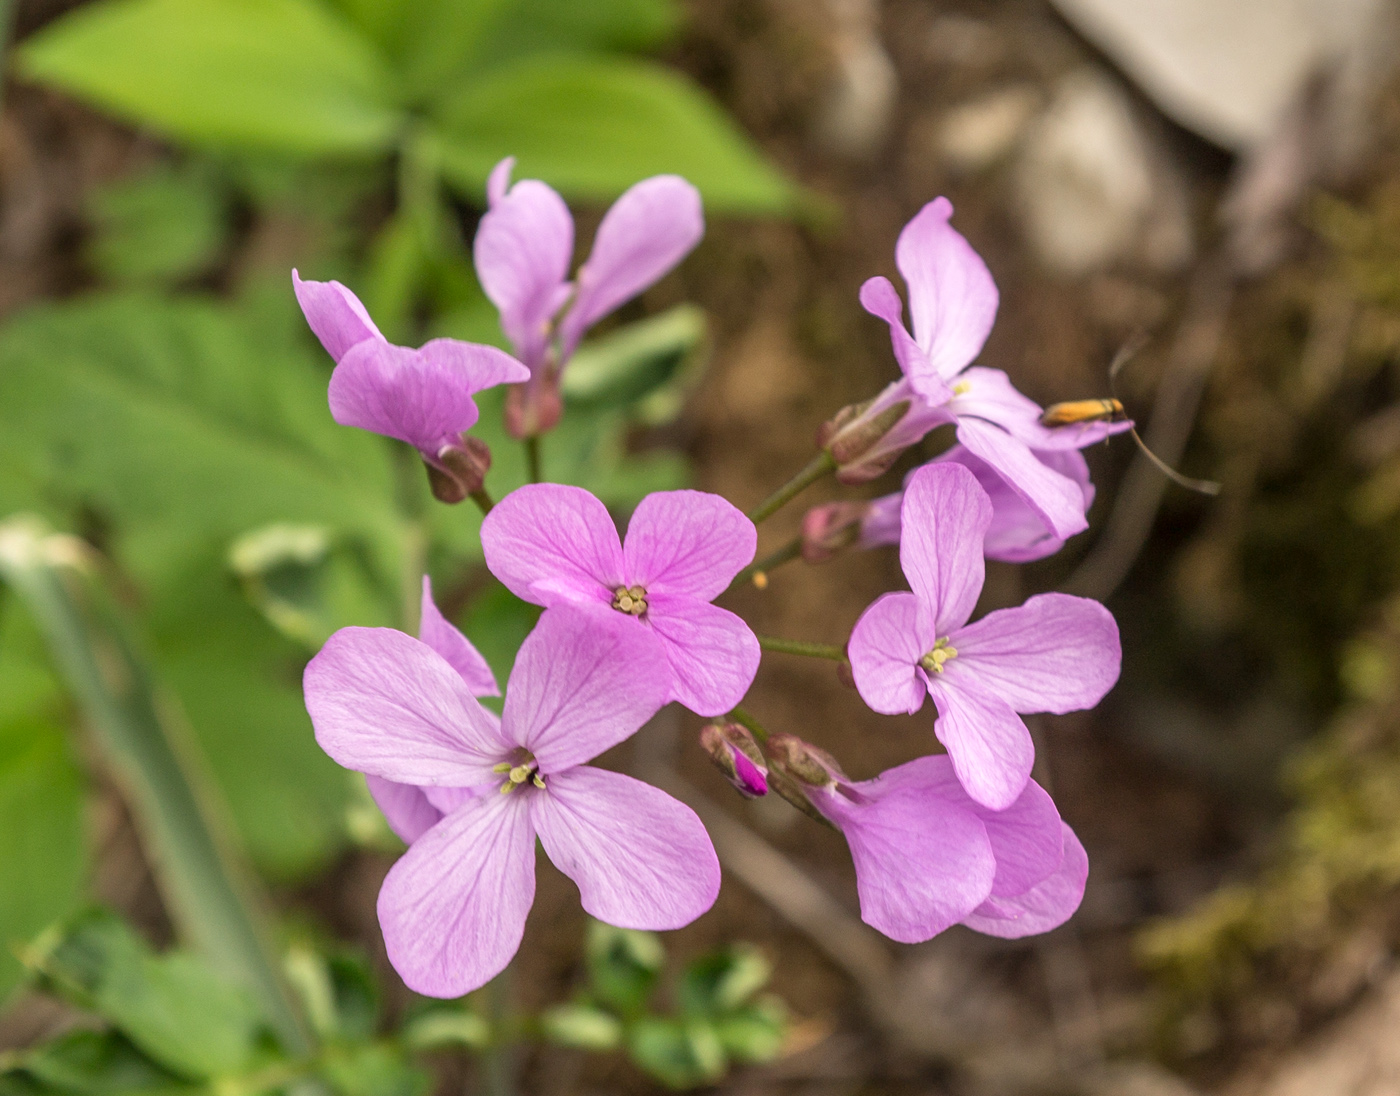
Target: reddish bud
point(458, 471)
point(735, 753)
point(827, 530)
point(864, 439)
point(533, 408)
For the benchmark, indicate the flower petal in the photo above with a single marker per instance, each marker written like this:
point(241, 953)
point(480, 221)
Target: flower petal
point(335, 315)
point(881, 299)
point(713, 654)
point(641, 859)
point(549, 544)
point(1057, 499)
point(1055, 653)
point(383, 703)
point(990, 748)
point(437, 632)
point(923, 862)
point(405, 807)
point(453, 908)
point(421, 397)
point(648, 230)
point(584, 680)
point(952, 297)
point(1042, 908)
point(1026, 837)
point(498, 182)
point(886, 644)
point(522, 252)
point(1017, 533)
point(687, 542)
point(943, 520)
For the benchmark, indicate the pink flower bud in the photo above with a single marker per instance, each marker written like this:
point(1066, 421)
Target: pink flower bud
point(458, 471)
point(829, 529)
point(798, 769)
point(535, 407)
point(732, 748)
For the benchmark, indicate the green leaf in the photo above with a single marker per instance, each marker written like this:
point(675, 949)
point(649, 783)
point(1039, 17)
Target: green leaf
point(447, 1026)
point(680, 1054)
point(724, 980)
point(184, 426)
point(623, 966)
point(754, 1033)
point(374, 1070)
point(93, 1063)
point(281, 75)
point(525, 27)
point(592, 127)
point(42, 860)
point(582, 1026)
point(165, 225)
point(497, 624)
point(649, 365)
point(173, 1007)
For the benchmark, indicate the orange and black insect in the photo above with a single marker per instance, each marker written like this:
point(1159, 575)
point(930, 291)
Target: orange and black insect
point(1076, 411)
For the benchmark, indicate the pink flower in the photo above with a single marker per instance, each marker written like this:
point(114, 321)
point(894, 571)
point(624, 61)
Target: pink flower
point(928, 857)
point(953, 303)
point(423, 396)
point(522, 252)
point(453, 908)
point(1017, 534)
point(409, 809)
point(555, 545)
point(1055, 653)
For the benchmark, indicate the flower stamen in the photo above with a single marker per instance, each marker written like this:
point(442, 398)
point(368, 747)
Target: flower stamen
point(942, 652)
point(631, 600)
point(524, 769)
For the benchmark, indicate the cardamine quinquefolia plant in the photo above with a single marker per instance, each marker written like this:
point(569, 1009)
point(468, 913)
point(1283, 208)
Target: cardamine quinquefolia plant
point(629, 624)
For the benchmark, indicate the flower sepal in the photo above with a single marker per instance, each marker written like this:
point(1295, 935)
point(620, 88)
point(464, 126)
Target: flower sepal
point(458, 471)
point(534, 408)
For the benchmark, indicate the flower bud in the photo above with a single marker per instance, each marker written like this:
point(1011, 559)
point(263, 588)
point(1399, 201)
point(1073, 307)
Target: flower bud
point(458, 471)
point(864, 439)
point(534, 408)
point(732, 748)
point(829, 529)
point(807, 763)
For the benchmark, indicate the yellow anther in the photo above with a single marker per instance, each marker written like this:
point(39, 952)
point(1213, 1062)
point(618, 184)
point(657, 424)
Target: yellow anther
point(941, 653)
point(962, 388)
point(538, 781)
point(760, 579)
point(508, 787)
point(631, 600)
point(520, 774)
point(503, 767)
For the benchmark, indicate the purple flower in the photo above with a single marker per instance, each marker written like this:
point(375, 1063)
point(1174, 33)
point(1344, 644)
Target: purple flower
point(928, 857)
point(1017, 534)
point(423, 396)
point(409, 809)
point(953, 303)
point(453, 908)
point(1055, 653)
point(522, 252)
point(735, 753)
point(555, 545)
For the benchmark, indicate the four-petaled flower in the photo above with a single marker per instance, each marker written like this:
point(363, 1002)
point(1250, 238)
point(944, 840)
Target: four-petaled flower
point(423, 396)
point(927, 856)
point(522, 252)
point(453, 907)
point(556, 545)
point(953, 303)
point(1055, 653)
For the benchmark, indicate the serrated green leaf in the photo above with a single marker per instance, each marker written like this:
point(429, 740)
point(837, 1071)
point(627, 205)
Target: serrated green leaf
point(93, 1063)
point(591, 127)
point(280, 75)
point(164, 225)
point(42, 859)
point(174, 1007)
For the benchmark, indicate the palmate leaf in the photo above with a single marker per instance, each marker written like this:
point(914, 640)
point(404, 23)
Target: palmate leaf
point(593, 126)
point(281, 75)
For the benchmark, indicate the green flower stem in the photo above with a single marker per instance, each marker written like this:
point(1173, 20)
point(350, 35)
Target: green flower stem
point(532, 458)
point(483, 500)
point(744, 719)
point(801, 647)
point(757, 572)
point(211, 893)
point(823, 464)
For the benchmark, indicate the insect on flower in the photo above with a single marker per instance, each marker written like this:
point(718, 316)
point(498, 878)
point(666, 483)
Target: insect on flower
point(1077, 411)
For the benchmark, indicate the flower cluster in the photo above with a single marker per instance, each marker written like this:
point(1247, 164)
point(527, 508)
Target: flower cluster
point(629, 624)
